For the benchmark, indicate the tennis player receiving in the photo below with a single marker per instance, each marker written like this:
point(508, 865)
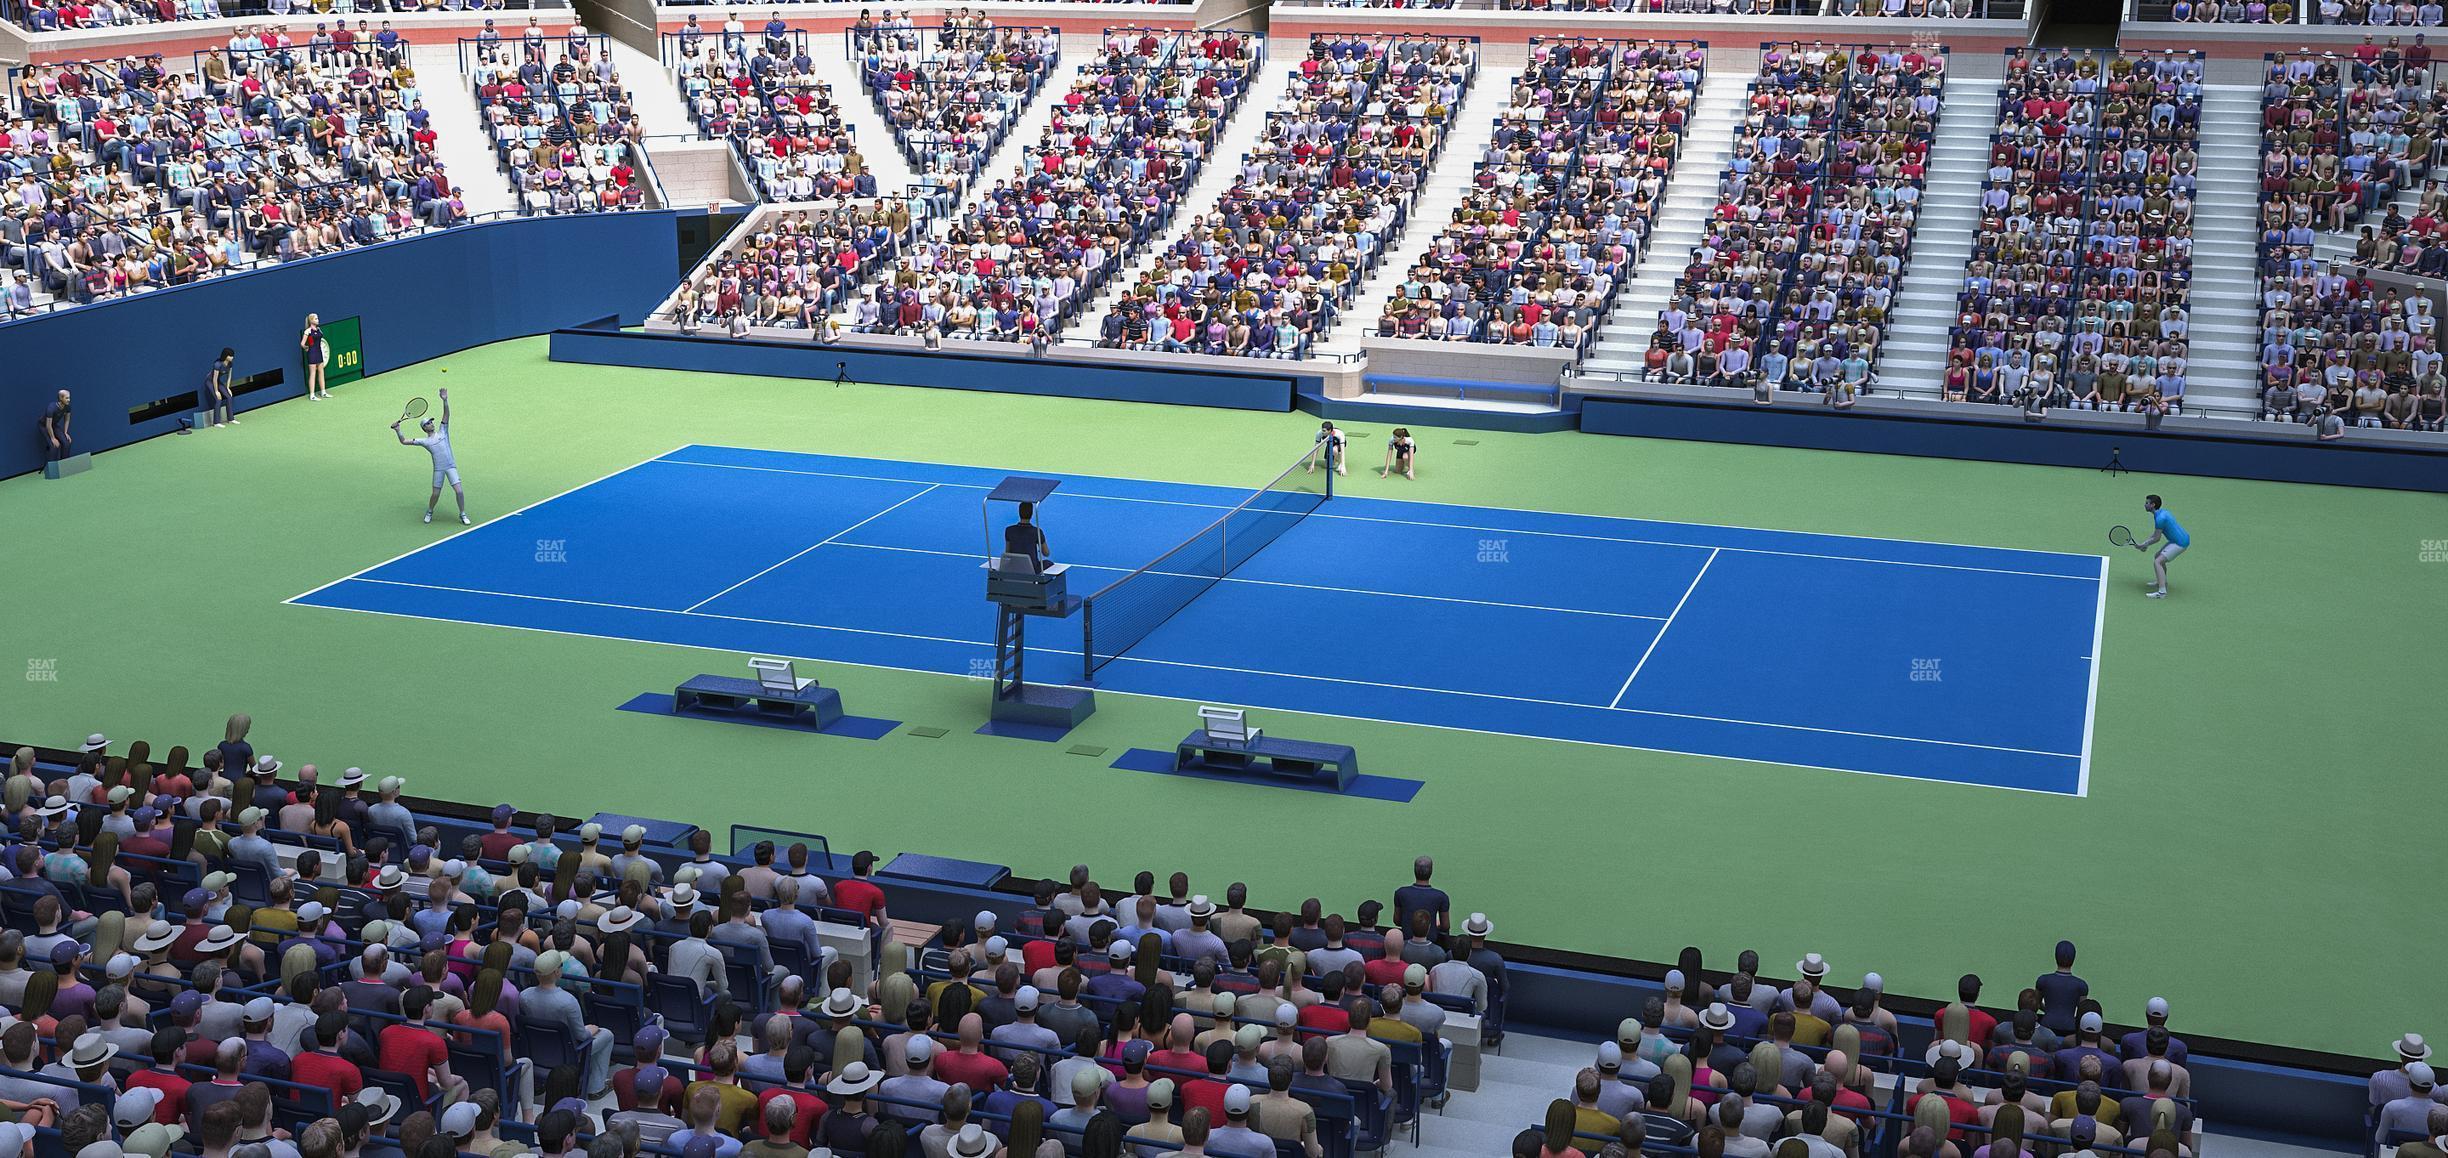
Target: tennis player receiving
point(445, 466)
point(2163, 526)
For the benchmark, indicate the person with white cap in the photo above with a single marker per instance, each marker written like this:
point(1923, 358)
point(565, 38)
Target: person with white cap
point(2411, 1114)
point(2154, 1016)
point(547, 1004)
point(1234, 1137)
point(633, 855)
point(1024, 1028)
point(1617, 1096)
point(136, 1114)
point(918, 1095)
point(2087, 1042)
point(251, 847)
point(2391, 1084)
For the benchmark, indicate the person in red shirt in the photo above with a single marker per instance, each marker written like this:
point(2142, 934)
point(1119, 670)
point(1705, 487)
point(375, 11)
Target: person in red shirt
point(1387, 969)
point(322, 1065)
point(1327, 1015)
point(1208, 1092)
point(970, 1065)
point(497, 844)
point(168, 1043)
point(859, 894)
point(418, 1049)
point(797, 1066)
point(1960, 1109)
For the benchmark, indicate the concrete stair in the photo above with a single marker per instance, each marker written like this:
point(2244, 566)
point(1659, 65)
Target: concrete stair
point(1691, 193)
point(1216, 176)
point(1913, 359)
point(876, 143)
point(661, 111)
point(1474, 124)
point(460, 140)
point(2223, 374)
point(1031, 127)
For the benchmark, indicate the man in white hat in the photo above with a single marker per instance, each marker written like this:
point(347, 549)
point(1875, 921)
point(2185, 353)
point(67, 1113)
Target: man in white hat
point(547, 1004)
point(846, 1128)
point(87, 1061)
point(1198, 940)
point(1807, 994)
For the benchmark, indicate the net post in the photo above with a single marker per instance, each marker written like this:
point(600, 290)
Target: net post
point(1330, 474)
point(1087, 641)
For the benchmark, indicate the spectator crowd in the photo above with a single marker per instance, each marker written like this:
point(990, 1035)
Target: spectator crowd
point(1791, 283)
point(1562, 200)
point(1120, 150)
point(2076, 292)
point(1317, 201)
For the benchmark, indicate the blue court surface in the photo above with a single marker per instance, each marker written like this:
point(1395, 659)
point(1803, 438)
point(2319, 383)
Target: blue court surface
point(1972, 665)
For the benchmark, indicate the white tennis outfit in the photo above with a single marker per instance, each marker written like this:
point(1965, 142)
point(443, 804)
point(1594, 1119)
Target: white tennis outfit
point(445, 464)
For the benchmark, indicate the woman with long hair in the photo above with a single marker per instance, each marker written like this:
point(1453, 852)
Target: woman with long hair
point(317, 355)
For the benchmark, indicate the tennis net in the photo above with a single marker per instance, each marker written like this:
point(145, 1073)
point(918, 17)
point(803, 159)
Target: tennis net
point(1123, 612)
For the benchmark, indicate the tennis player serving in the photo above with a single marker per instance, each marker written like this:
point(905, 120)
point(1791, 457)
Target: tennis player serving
point(438, 444)
point(2163, 527)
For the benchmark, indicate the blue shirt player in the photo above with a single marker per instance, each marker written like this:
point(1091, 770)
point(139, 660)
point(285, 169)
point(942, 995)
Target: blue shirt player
point(2163, 527)
point(445, 464)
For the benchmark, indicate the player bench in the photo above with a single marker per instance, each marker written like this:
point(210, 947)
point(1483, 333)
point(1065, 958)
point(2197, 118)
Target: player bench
point(732, 696)
point(1228, 745)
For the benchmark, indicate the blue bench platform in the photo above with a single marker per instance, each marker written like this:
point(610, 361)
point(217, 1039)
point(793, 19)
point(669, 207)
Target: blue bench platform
point(733, 696)
point(1333, 764)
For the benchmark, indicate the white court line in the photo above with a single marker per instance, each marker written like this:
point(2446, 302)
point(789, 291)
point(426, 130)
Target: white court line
point(1617, 702)
point(2099, 637)
point(1283, 707)
point(1414, 502)
point(489, 522)
point(1284, 583)
point(1328, 514)
point(1244, 671)
point(930, 489)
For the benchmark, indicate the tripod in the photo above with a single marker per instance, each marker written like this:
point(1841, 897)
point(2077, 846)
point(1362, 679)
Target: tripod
point(2116, 463)
point(841, 372)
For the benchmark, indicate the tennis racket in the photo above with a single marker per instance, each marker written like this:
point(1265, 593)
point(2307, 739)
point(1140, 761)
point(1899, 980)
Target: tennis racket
point(415, 410)
point(2120, 537)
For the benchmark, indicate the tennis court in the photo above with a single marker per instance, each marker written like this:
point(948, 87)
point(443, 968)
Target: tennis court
point(1964, 664)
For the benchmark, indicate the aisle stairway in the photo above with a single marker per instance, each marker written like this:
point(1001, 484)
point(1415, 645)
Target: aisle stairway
point(2224, 372)
point(1914, 356)
point(1215, 178)
point(1441, 192)
point(867, 125)
point(460, 140)
point(1690, 195)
